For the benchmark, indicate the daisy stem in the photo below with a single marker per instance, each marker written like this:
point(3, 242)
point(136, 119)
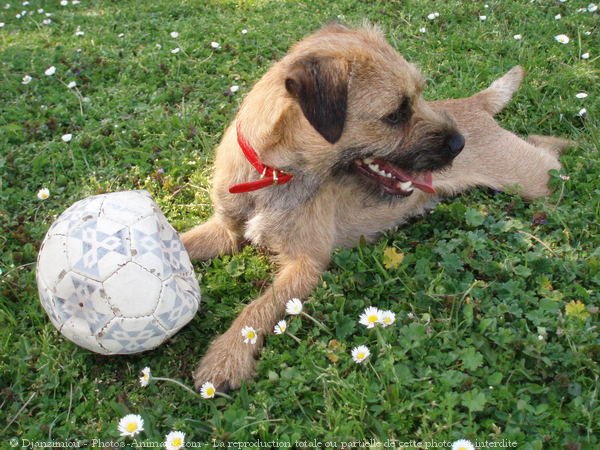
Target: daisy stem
point(293, 337)
point(373, 368)
point(323, 327)
point(224, 395)
point(381, 340)
point(177, 383)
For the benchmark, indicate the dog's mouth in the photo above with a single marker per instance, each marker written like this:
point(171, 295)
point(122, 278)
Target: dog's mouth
point(392, 179)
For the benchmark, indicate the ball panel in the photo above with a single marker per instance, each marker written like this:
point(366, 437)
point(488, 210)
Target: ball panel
point(174, 251)
point(128, 207)
point(74, 329)
point(72, 216)
point(82, 303)
point(132, 335)
point(52, 259)
point(177, 305)
point(47, 300)
point(147, 248)
point(133, 291)
point(97, 247)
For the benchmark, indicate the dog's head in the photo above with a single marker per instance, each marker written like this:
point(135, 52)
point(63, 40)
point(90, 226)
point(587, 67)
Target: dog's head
point(352, 103)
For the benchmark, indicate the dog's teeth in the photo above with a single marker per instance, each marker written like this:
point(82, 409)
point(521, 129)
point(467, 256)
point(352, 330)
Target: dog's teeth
point(406, 186)
point(374, 167)
point(388, 175)
point(368, 161)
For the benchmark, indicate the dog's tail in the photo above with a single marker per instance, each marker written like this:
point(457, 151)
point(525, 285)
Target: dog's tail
point(497, 96)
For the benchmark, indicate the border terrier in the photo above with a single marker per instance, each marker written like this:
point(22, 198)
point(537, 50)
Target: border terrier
point(336, 142)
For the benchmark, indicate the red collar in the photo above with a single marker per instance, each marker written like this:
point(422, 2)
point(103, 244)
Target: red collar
point(268, 175)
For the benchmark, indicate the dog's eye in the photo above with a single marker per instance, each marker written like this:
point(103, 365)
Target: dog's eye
point(400, 115)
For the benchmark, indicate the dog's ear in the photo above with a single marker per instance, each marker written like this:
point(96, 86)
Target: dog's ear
point(320, 85)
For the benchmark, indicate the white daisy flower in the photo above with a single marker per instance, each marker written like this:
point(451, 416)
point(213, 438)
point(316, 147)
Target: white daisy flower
point(557, 17)
point(72, 84)
point(585, 56)
point(7, 6)
point(50, 71)
point(431, 16)
point(370, 317)
point(423, 30)
point(482, 18)
point(145, 378)
point(26, 79)
point(174, 34)
point(47, 21)
point(387, 318)
point(215, 45)
point(2, 24)
point(175, 50)
point(233, 89)
point(244, 31)
point(131, 424)
point(249, 335)
point(48, 14)
point(78, 32)
point(410, 315)
point(208, 390)
point(360, 353)
point(75, 2)
point(18, 16)
point(587, 33)
point(582, 112)
point(280, 327)
point(581, 95)
point(67, 137)
point(592, 7)
point(121, 35)
point(64, 2)
point(462, 444)
point(562, 38)
point(540, 337)
point(25, 3)
point(293, 307)
point(43, 193)
point(175, 440)
point(517, 37)
point(40, 11)
point(581, 10)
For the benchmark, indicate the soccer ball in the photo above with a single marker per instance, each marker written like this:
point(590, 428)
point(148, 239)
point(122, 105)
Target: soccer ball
point(113, 275)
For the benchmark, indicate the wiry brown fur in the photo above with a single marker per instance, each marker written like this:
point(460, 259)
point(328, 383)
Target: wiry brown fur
point(292, 118)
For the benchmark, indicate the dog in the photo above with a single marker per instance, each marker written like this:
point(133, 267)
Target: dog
point(335, 143)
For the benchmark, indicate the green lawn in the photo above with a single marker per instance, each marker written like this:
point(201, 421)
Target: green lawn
point(496, 299)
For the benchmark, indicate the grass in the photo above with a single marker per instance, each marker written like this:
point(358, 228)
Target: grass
point(490, 342)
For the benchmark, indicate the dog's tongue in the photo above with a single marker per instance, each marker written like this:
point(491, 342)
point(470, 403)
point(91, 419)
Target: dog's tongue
point(422, 180)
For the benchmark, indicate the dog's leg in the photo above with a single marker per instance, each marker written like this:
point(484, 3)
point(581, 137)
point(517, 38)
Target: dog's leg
point(554, 145)
point(218, 236)
point(229, 361)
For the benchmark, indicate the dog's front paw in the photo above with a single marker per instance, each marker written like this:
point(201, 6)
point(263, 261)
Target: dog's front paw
point(227, 363)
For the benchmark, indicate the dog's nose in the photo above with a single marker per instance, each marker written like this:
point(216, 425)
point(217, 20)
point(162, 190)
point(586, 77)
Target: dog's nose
point(456, 143)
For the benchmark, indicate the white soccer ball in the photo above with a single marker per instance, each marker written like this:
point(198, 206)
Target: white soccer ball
point(113, 275)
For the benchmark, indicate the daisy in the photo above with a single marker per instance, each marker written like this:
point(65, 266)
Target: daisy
point(121, 35)
point(26, 79)
point(592, 7)
point(175, 440)
point(174, 34)
point(175, 50)
point(64, 2)
point(280, 327)
point(582, 112)
point(585, 56)
point(293, 307)
point(517, 37)
point(431, 16)
point(233, 89)
point(47, 21)
point(208, 390)
point(71, 84)
point(131, 424)
point(562, 38)
point(387, 318)
point(1, 24)
point(67, 137)
point(482, 18)
point(557, 17)
point(581, 95)
point(244, 31)
point(423, 30)
point(360, 353)
point(75, 2)
point(370, 317)
point(564, 177)
point(145, 378)
point(249, 335)
point(43, 193)
point(50, 71)
point(462, 444)
point(40, 11)
point(78, 32)
point(215, 45)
